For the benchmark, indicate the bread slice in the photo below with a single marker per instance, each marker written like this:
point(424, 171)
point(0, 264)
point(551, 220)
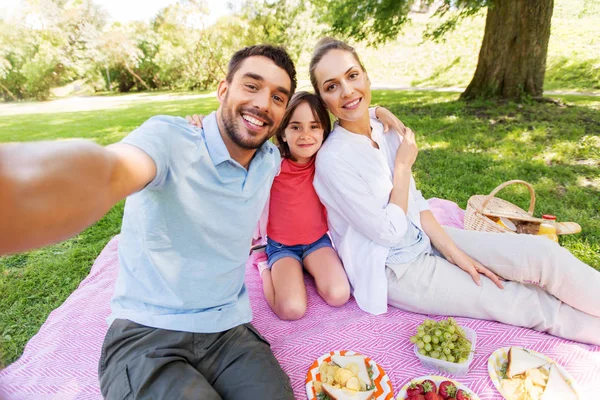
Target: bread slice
point(359, 360)
point(520, 360)
point(347, 394)
point(557, 387)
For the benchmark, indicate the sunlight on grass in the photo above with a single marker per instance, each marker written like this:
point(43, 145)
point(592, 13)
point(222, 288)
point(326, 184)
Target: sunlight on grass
point(589, 183)
point(435, 145)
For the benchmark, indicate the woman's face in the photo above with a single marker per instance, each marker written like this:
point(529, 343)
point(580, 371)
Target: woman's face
point(303, 134)
point(343, 85)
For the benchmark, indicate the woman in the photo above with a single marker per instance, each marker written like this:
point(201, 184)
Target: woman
point(394, 250)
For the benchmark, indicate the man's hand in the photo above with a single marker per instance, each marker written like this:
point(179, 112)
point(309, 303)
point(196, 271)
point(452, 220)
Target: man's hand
point(472, 267)
point(195, 120)
point(389, 120)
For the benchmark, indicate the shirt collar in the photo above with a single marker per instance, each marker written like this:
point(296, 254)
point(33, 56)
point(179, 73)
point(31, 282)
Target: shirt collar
point(376, 133)
point(377, 130)
point(214, 142)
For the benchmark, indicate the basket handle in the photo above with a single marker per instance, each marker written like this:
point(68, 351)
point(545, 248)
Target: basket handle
point(505, 184)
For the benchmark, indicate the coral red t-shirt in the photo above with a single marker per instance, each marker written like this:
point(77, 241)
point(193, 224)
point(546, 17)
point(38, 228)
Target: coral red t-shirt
point(296, 215)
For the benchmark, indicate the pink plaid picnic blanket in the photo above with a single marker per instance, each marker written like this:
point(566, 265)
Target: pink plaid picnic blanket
point(60, 362)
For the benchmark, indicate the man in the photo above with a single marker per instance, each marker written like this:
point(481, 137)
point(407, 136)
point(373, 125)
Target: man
point(179, 326)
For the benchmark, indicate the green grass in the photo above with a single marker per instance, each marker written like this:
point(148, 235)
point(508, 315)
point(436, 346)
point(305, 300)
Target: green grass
point(465, 149)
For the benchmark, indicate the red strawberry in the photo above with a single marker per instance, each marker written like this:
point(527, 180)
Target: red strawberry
point(433, 396)
point(447, 389)
point(415, 397)
point(414, 388)
point(462, 395)
point(429, 386)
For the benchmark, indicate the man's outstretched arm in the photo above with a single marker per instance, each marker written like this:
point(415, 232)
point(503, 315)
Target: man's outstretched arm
point(50, 191)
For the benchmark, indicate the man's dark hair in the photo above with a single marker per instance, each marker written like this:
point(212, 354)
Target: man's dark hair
point(276, 54)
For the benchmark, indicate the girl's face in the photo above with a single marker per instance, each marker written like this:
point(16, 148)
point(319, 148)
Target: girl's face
point(303, 134)
point(343, 85)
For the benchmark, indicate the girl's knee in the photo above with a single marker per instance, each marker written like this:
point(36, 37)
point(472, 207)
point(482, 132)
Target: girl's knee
point(336, 295)
point(291, 309)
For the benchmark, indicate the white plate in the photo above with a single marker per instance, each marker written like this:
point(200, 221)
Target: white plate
point(383, 385)
point(500, 356)
point(437, 380)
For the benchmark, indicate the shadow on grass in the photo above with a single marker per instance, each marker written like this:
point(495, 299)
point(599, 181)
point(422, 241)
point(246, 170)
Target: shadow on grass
point(567, 73)
point(433, 79)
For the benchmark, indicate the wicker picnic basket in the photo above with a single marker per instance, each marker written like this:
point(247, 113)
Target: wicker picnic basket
point(483, 210)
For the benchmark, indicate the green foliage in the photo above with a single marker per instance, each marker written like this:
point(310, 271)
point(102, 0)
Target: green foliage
point(54, 52)
point(373, 21)
point(29, 64)
point(174, 51)
point(379, 21)
point(451, 12)
point(282, 22)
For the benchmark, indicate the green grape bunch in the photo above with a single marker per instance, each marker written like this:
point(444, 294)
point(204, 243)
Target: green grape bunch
point(444, 340)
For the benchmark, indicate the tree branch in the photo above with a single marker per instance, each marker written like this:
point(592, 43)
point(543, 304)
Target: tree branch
point(136, 76)
point(9, 92)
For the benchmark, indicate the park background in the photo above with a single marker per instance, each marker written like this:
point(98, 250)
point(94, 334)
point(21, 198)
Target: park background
point(70, 69)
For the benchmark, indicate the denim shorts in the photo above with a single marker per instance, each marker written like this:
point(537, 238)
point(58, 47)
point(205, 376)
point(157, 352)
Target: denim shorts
point(276, 251)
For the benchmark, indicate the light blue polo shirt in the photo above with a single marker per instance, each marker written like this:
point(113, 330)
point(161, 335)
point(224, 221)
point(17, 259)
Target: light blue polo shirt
point(186, 237)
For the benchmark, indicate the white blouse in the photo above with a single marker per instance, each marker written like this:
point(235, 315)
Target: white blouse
point(354, 181)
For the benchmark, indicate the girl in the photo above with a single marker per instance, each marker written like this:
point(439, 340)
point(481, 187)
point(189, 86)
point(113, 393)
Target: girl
point(297, 225)
point(394, 250)
point(297, 238)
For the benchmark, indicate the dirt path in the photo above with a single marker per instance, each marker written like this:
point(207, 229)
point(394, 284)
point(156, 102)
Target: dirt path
point(90, 103)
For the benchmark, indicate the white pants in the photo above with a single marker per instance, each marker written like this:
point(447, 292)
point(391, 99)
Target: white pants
point(547, 289)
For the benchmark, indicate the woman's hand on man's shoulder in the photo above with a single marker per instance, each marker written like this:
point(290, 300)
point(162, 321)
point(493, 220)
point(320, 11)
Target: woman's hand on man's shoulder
point(389, 120)
point(195, 120)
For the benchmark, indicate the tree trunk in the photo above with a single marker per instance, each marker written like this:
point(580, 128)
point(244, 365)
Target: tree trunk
point(136, 76)
point(512, 59)
point(9, 92)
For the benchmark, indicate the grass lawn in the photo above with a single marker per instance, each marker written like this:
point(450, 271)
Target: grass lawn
point(466, 149)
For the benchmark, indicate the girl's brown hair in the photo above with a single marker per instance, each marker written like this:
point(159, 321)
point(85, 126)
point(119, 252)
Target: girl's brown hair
point(319, 112)
point(324, 46)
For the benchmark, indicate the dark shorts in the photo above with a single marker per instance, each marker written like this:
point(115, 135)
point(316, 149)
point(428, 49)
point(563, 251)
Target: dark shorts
point(139, 362)
point(276, 251)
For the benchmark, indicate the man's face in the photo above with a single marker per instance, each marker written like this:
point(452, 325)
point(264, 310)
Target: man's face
point(253, 103)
